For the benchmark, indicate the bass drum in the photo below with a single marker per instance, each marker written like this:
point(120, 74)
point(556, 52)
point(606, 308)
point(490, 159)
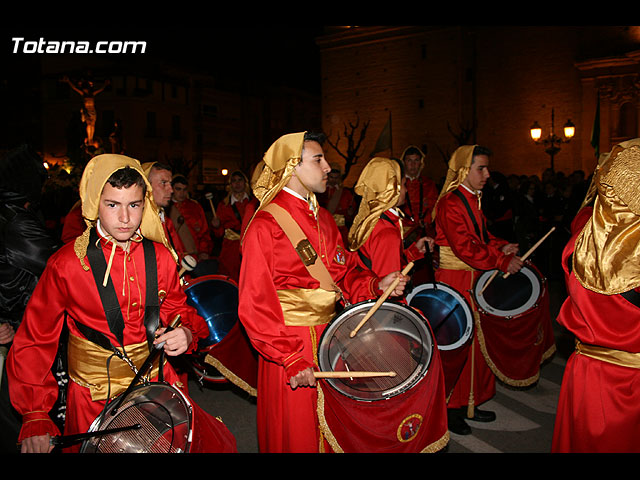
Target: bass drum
point(215, 297)
point(447, 311)
point(165, 417)
point(395, 339)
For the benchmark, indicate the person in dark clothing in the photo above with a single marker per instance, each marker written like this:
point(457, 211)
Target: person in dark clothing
point(25, 247)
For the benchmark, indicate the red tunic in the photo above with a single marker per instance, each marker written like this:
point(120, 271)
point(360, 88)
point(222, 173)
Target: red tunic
point(74, 224)
point(599, 404)
point(65, 292)
point(455, 229)
point(229, 258)
point(422, 195)
point(286, 418)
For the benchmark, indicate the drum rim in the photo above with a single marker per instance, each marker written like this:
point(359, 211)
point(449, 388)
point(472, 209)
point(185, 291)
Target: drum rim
point(405, 385)
point(468, 331)
point(537, 291)
point(97, 422)
point(212, 276)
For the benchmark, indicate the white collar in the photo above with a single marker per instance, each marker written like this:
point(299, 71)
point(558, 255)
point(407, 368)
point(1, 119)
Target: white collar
point(474, 192)
point(296, 194)
point(234, 199)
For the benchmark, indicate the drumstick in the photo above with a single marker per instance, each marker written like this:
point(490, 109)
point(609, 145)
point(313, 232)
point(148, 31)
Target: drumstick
point(353, 374)
point(381, 300)
point(524, 257)
point(209, 196)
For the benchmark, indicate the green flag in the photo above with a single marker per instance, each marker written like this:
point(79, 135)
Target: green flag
point(384, 140)
point(595, 131)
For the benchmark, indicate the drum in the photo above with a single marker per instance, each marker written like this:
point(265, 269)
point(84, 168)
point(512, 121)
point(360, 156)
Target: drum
point(395, 339)
point(447, 311)
point(215, 297)
point(165, 416)
point(511, 297)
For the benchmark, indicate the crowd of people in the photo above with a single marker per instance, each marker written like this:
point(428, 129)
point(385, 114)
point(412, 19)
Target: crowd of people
point(302, 248)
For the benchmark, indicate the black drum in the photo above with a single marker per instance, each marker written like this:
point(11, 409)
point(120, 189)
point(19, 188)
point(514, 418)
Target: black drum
point(511, 297)
point(447, 311)
point(165, 416)
point(215, 297)
point(395, 339)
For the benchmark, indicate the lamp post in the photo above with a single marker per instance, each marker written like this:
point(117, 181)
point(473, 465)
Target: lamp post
point(552, 142)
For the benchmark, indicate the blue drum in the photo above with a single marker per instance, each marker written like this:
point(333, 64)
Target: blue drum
point(446, 310)
point(215, 297)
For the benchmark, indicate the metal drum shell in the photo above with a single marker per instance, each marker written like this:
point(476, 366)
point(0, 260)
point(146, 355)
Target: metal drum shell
point(170, 400)
point(349, 318)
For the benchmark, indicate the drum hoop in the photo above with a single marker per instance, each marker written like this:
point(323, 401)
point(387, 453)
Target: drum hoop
point(537, 289)
point(409, 382)
point(99, 420)
point(204, 278)
point(468, 330)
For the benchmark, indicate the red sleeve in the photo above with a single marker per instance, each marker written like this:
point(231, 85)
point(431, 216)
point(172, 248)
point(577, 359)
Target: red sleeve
point(32, 386)
point(455, 229)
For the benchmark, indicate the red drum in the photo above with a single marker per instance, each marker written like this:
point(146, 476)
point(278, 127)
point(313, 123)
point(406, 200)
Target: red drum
point(226, 354)
point(516, 324)
point(405, 413)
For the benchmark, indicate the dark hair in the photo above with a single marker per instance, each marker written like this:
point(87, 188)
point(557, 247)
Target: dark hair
point(127, 177)
point(315, 137)
point(179, 179)
point(480, 150)
point(412, 151)
point(161, 166)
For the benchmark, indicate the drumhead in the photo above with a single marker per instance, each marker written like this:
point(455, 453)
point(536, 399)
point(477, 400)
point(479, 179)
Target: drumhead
point(395, 339)
point(165, 416)
point(215, 297)
point(508, 297)
point(446, 310)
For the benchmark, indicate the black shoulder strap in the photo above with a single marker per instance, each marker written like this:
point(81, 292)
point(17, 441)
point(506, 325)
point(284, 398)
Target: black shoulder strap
point(482, 235)
point(109, 298)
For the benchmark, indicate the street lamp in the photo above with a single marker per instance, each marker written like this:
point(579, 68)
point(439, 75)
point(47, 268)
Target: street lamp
point(552, 142)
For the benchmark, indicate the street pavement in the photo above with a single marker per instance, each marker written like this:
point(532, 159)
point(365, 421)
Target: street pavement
point(524, 422)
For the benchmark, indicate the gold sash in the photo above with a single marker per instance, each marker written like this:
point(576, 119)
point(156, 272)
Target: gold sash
point(304, 307)
point(88, 367)
point(449, 261)
point(609, 355)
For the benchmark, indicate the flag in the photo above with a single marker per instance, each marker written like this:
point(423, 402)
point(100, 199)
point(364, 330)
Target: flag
point(384, 140)
point(595, 131)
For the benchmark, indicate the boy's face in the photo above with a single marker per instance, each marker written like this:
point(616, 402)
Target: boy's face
point(120, 211)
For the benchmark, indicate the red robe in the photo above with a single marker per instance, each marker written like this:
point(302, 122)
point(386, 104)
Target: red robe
point(287, 419)
point(455, 229)
point(191, 215)
point(229, 258)
point(599, 404)
point(66, 292)
point(422, 195)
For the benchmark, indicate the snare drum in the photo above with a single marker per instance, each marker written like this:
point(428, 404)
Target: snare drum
point(396, 338)
point(165, 416)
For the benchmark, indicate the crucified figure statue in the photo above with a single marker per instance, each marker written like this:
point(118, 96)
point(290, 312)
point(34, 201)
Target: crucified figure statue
point(88, 91)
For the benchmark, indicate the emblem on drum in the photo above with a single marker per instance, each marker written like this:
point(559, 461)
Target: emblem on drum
point(340, 256)
point(409, 427)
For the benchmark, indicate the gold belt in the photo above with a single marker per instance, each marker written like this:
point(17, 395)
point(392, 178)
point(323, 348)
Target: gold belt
point(449, 261)
point(609, 355)
point(88, 367)
point(307, 307)
point(231, 234)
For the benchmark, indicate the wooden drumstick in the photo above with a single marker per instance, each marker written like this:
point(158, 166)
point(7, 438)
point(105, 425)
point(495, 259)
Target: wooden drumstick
point(209, 197)
point(381, 300)
point(353, 374)
point(524, 257)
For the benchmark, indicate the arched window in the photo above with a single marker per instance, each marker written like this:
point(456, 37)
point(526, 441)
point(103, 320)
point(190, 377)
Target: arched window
point(628, 121)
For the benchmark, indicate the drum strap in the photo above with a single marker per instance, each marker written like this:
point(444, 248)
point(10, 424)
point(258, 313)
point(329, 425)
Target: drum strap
point(109, 297)
point(309, 257)
point(482, 235)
